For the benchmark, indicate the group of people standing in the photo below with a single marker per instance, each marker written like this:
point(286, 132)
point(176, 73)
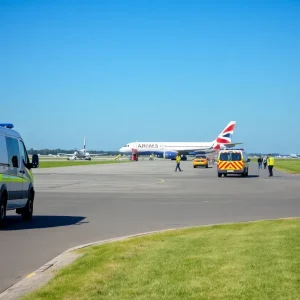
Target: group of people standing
point(262, 161)
point(266, 161)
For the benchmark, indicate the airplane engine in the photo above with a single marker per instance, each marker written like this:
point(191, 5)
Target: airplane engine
point(170, 155)
point(75, 153)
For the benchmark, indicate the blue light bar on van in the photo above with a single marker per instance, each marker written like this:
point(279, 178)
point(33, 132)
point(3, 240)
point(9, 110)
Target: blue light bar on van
point(7, 125)
point(234, 149)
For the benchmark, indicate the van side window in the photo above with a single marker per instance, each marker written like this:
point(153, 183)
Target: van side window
point(3, 151)
point(24, 154)
point(13, 152)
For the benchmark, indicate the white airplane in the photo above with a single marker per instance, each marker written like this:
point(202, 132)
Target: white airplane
point(52, 155)
point(80, 154)
point(169, 150)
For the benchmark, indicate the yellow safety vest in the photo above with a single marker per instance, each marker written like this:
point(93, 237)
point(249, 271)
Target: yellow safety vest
point(271, 161)
point(178, 158)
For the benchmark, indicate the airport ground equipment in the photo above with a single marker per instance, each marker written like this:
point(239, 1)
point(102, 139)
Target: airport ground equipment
point(200, 161)
point(134, 155)
point(233, 161)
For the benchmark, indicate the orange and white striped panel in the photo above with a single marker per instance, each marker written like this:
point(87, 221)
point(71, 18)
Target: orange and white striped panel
point(230, 165)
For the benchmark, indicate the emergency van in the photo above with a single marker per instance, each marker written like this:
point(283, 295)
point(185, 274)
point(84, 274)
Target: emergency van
point(233, 161)
point(16, 178)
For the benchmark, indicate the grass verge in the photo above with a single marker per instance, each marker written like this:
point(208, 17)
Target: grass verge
point(288, 165)
point(258, 260)
point(66, 163)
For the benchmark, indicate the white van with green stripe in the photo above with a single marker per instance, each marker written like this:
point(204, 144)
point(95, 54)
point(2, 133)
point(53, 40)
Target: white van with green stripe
point(16, 179)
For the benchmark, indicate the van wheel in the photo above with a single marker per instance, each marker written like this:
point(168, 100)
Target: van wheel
point(219, 174)
point(28, 209)
point(3, 203)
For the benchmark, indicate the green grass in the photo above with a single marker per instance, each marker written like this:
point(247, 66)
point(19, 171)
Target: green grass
point(66, 163)
point(258, 260)
point(288, 165)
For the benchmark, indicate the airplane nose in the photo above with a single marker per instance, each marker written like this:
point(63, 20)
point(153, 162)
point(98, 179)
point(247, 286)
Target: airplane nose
point(121, 149)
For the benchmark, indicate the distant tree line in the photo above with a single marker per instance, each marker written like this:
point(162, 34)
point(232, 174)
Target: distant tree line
point(263, 154)
point(56, 151)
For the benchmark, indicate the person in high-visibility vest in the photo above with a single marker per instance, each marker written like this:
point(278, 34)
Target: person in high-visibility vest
point(271, 163)
point(178, 159)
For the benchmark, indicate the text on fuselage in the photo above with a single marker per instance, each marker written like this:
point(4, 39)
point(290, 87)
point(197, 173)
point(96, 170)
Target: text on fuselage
point(148, 146)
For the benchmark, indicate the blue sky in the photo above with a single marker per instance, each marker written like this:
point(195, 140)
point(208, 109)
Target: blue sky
point(120, 71)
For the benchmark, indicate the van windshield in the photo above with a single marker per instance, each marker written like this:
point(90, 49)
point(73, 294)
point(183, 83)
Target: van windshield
point(230, 156)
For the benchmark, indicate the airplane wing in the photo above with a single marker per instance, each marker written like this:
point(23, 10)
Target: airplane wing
point(202, 151)
point(65, 154)
point(99, 154)
point(205, 150)
point(232, 145)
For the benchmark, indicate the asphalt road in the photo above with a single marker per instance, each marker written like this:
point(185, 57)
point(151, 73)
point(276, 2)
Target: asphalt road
point(81, 204)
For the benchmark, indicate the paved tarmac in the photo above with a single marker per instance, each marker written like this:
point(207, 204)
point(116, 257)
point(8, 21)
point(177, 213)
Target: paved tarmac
point(82, 204)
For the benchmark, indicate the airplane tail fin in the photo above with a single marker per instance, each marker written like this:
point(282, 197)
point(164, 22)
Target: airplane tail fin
point(224, 138)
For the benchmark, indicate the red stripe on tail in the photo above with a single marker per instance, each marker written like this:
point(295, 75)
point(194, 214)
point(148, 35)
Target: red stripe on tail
point(222, 141)
point(230, 128)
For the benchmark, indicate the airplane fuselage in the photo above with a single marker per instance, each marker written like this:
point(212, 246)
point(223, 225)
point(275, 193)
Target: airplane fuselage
point(80, 154)
point(161, 148)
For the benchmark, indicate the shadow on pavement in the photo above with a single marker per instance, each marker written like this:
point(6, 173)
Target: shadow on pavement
point(238, 176)
point(39, 222)
point(201, 167)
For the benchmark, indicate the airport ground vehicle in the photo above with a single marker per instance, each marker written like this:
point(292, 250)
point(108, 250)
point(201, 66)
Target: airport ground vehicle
point(16, 179)
point(233, 161)
point(200, 160)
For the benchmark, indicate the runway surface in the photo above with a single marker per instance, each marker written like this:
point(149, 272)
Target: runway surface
point(81, 204)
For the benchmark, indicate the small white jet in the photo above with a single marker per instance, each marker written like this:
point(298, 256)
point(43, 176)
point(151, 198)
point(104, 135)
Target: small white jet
point(80, 154)
point(169, 150)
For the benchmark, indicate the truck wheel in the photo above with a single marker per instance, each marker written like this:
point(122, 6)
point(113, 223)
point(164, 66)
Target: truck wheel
point(28, 209)
point(3, 203)
point(219, 174)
